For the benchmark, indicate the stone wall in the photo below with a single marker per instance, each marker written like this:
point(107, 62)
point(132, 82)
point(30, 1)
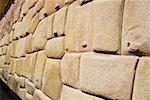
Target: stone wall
point(77, 50)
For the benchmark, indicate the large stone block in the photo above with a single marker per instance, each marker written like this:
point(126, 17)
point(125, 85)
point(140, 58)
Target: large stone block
point(12, 68)
point(107, 75)
point(55, 47)
point(70, 64)
point(4, 49)
point(50, 26)
point(25, 8)
point(69, 93)
point(59, 22)
point(107, 24)
point(51, 82)
point(39, 67)
point(78, 29)
point(13, 46)
point(135, 31)
point(39, 5)
point(8, 55)
point(39, 95)
point(28, 44)
point(141, 88)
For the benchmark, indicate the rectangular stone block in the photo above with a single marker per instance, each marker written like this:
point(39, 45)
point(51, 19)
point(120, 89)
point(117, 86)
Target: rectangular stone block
point(13, 46)
point(25, 8)
point(70, 65)
point(69, 93)
point(50, 26)
point(39, 95)
point(107, 24)
point(51, 81)
point(4, 49)
point(78, 28)
point(135, 30)
point(21, 81)
point(39, 67)
point(141, 88)
point(55, 47)
point(59, 22)
point(107, 75)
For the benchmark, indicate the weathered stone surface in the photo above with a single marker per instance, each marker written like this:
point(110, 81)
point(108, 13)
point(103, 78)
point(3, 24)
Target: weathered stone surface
point(25, 8)
point(29, 86)
point(28, 44)
point(18, 66)
point(78, 28)
point(74, 94)
point(50, 26)
point(51, 82)
point(12, 83)
point(1, 52)
point(4, 50)
point(28, 96)
point(39, 95)
point(107, 75)
point(107, 25)
point(8, 56)
point(39, 5)
point(55, 47)
point(135, 31)
point(2, 61)
point(18, 48)
point(141, 89)
point(39, 67)
point(12, 68)
point(32, 3)
point(21, 81)
point(13, 46)
point(59, 22)
point(22, 93)
point(70, 69)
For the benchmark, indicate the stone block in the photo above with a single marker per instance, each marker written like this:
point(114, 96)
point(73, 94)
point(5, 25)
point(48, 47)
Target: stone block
point(78, 29)
point(141, 88)
point(4, 49)
point(29, 86)
point(17, 14)
point(107, 75)
point(59, 22)
point(21, 81)
point(8, 56)
point(135, 29)
point(55, 47)
point(28, 44)
point(69, 93)
point(39, 67)
point(39, 5)
point(25, 8)
point(2, 61)
point(50, 26)
point(51, 81)
point(107, 25)
point(39, 95)
point(18, 66)
point(70, 63)
point(1, 51)
point(32, 3)
point(28, 96)
point(13, 46)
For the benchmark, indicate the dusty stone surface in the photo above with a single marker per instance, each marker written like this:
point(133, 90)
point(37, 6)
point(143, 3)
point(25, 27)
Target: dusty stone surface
point(51, 82)
point(74, 94)
point(141, 88)
point(107, 75)
point(107, 25)
point(70, 63)
point(55, 47)
point(135, 31)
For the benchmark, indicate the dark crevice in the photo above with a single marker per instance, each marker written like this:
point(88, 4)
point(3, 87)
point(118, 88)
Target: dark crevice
point(57, 8)
point(137, 52)
point(107, 52)
point(85, 2)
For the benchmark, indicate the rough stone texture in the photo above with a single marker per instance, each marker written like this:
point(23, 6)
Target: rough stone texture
point(141, 89)
point(55, 47)
point(79, 28)
point(51, 82)
point(39, 95)
point(107, 25)
point(107, 75)
point(74, 94)
point(29, 86)
point(135, 31)
point(18, 66)
point(28, 96)
point(39, 67)
point(70, 63)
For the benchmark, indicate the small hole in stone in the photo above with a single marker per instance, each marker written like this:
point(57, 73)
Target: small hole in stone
point(24, 14)
point(45, 14)
point(57, 8)
point(63, 34)
point(84, 45)
point(128, 44)
point(55, 34)
point(66, 49)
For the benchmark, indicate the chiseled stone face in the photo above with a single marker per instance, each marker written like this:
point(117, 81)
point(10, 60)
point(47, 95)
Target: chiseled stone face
point(136, 31)
point(55, 47)
point(78, 28)
point(59, 22)
point(51, 81)
point(50, 26)
point(69, 93)
point(39, 67)
point(39, 95)
point(107, 75)
point(107, 23)
point(70, 64)
point(141, 88)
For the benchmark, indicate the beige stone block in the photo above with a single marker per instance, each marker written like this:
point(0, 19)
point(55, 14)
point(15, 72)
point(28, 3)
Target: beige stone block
point(107, 24)
point(12, 83)
point(55, 47)
point(79, 28)
point(107, 75)
point(8, 56)
point(39, 67)
point(17, 30)
point(141, 88)
point(39, 5)
point(28, 96)
point(22, 93)
point(32, 3)
point(69, 93)
point(6, 39)
point(11, 36)
point(1, 51)
point(59, 22)
point(18, 66)
point(50, 26)
point(4, 49)
point(135, 30)
point(39, 95)
point(70, 63)
point(29, 86)
point(51, 81)
point(28, 44)
point(25, 8)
